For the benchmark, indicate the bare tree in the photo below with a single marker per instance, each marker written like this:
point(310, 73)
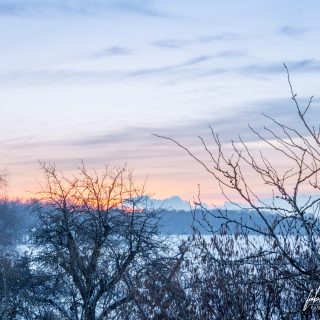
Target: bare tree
point(95, 239)
point(289, 242)
point(15, 281)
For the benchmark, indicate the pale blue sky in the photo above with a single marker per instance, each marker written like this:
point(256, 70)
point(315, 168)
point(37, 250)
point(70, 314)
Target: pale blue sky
point(93, 79)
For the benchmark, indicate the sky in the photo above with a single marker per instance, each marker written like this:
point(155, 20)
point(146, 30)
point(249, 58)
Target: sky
point(93, 80)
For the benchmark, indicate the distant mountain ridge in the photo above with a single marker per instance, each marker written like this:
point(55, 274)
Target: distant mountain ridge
point(171, 203)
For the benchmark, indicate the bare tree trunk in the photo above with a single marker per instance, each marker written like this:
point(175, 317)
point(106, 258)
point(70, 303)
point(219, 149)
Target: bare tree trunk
point(89, 313)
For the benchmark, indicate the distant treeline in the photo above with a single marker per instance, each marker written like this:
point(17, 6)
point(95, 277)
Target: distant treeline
point(17, 218)
point(15, 221)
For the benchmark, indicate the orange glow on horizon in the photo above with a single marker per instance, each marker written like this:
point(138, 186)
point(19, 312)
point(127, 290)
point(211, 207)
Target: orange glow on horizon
point(157, 189)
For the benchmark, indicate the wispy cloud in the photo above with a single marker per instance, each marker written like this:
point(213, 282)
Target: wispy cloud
point(170, 68)
point(304, 66)
point(182, 43)
point(264, 69)
point(231, 54)
point(144, 7)
point(82, 7)
point(227, 36)
point(111, 51)
point(292, 31)
point(189, 69)
point(171, 43)
point(68, 76)
point(146, 153)
point(282, 109)
point(138, 144)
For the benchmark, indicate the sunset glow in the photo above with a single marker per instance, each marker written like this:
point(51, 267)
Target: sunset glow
point(93, 80)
